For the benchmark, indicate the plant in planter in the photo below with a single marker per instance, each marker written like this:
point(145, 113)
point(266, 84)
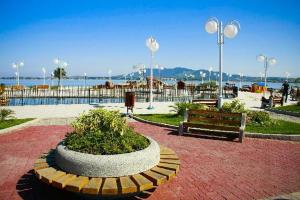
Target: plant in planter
point(103, 145)
point(103, 132)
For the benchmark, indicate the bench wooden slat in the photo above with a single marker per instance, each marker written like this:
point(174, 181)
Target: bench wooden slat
point(47, 178)
point(93, 186)
point(42, 165)
point(156, 178)
point(60, 182)
point(110, 186)
point(213, 127)
point(173, 157)
point(166, 151)
point(170, 161)
point(169, 173)
point(213, 113)
point(44, 160)
point(77, 184)
point(142, 182)
point(173, 167)
point(215, 121)
point(127, 185)
point(41, 172)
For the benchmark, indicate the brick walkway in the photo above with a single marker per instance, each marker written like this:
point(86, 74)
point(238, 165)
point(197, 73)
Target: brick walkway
point(210, 169)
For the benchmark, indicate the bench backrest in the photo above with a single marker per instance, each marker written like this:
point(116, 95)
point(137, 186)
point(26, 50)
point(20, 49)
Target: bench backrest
point(214, 117)
point(209, 102)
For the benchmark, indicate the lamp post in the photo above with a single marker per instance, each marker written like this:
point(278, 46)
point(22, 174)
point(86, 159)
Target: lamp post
point(209, 70)
point(17, 66)
point(230, 30)
point(52, 75)
point(267, 61)
point(85, 80)
point(16, 74)
point(202, 76)
point(109, 75)
point(44, 75)
point(61, 65)
point(159, 67)
point(141, 69)
point(229, 76)
point(261, 75)
point(153, 46)
point(241, 77)
point(287, 74)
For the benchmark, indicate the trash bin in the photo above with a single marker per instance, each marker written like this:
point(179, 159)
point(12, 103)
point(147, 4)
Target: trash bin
point(235, 91)
point(129, 100)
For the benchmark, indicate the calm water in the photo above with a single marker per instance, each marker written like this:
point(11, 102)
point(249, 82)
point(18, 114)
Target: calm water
point(91, 82)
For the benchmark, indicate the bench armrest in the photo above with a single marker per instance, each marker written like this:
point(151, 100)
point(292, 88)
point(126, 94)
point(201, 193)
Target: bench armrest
point(185, 116)
point(243, 121)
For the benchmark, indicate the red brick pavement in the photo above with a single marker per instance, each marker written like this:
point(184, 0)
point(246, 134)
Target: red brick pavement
point(210, 169)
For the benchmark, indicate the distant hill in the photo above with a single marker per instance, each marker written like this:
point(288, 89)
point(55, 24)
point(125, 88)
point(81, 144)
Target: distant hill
point(183, 73)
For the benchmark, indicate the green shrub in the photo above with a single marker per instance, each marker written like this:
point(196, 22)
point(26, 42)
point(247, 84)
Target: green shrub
point(100, 120)
point(104, 132)
point(6, 114)
point(234, 107)
point(260, 118)
point(180, 107)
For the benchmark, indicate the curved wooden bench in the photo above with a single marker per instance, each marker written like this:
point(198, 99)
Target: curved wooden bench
point(48, 172)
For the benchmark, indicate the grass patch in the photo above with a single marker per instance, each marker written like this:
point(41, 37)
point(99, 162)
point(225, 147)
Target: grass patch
point(13, 122)
point(172, 119)
point(279, 127)
point(292, 108)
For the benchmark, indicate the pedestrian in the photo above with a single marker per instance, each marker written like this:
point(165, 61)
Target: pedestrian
point(285, 92)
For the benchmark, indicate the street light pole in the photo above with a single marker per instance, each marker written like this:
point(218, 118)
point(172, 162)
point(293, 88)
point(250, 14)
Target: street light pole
point(84, 80)
point(17, 66)
point(153, 46)
point(44, 75)
point(267, 61)
point(230, 30)
point(210, 69)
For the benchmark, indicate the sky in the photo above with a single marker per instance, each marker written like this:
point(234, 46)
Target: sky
point(95, 36)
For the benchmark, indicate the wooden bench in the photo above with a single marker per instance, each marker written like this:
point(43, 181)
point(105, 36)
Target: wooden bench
point(228, 123)
point(276, 100)
point(207, 102)
point(46, 170)
point(271, 102)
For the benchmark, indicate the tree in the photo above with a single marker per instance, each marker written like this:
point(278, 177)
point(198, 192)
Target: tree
point(59, 73)
point(297, 80)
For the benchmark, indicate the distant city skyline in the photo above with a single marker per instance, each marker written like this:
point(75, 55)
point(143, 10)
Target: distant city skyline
point(98, 35)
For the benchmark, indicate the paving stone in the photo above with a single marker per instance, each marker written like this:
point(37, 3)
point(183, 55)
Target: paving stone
point(210, 168)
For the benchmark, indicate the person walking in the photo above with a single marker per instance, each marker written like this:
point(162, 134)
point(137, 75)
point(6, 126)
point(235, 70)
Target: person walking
point(285, 92)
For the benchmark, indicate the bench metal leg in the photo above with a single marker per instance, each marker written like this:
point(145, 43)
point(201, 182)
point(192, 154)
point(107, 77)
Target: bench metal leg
point(180, 129)
point(241, 136)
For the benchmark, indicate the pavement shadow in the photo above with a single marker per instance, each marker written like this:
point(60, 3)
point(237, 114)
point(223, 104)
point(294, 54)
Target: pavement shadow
point(30, 188)
point(206, 135)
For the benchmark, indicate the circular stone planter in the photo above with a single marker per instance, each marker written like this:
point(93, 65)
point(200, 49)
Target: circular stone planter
point(107, 165)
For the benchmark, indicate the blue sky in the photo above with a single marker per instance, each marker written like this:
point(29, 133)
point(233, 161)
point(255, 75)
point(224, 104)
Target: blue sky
point(95, 36)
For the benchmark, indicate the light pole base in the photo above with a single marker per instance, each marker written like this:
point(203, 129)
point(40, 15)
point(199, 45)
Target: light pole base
point(220, 102)
point(150, 107)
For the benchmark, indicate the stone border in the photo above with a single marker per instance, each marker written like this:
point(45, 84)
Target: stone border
point(284, 112)
point(18, 127)
point(247, 134)
point(107, 165)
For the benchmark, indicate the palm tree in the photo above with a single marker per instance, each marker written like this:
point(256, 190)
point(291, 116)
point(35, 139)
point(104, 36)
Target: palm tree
point(59, 73)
